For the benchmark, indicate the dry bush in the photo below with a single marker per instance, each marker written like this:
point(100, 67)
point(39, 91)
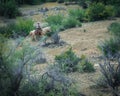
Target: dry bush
point(16, 61)
point(111, 72)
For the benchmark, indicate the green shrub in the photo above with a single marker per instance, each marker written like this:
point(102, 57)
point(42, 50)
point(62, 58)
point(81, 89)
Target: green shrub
point(85, 65)
point(55, 22)
point(114, 29)
point(70, 22)
point(54, 19)
point(56, 28)
point(51, 0)
point(56, 83)
point(110, 70)
point(83, 3)
point(109, 11)
point(14, 64)
point(67, 61)
point(24, 26)
point(101, 82)
point(78, 14)
point(60, 1)
point(9, 9)
point(1, 9)
point(117, 11)
point(110, 48)
point(33, 2)
point(4, 80)
point(98, 11)
point(30, 88)
point(30, 2)
point(20, 28)
point(7, 30)
point(51, 83)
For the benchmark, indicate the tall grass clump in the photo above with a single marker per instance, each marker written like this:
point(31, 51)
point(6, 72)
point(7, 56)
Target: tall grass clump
point(58, 23)
point(57, 28)
point(78, 14)
point(85, 65)
point(98, 11)
point(101, 82)
point(114, 29)
point(110, 47)
point(16, 29)
point(71, 22)
point(23, 27)
point(54, 19)
point(55, 22)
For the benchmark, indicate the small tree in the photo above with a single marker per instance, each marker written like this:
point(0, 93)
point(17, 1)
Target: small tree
point(83, 3)
point(9, 9)
point(15, 58)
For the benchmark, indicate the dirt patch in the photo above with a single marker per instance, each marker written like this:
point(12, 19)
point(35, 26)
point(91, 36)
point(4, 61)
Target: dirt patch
point(85, 39)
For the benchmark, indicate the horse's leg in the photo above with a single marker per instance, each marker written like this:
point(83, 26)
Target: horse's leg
point(34, 37)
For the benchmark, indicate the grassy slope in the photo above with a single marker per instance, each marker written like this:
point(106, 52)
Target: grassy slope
point(82, 43)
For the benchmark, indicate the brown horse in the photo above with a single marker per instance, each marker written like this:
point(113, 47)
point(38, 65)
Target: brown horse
point(39, 32)
point(35, 33)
